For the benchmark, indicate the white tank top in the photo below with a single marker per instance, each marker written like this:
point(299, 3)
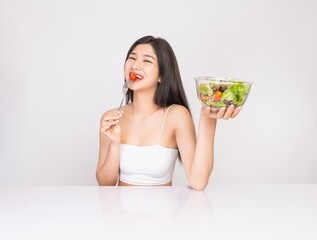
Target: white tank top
point(147, 165)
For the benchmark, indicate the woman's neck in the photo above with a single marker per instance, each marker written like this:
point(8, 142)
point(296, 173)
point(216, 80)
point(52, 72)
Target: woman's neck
point(144, 104)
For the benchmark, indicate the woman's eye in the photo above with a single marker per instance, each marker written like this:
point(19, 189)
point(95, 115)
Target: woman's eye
point(133, 58)
point(147, 61)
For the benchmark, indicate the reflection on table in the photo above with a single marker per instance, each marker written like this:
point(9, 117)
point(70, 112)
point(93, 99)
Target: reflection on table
point(155, 213)
point(219, 212)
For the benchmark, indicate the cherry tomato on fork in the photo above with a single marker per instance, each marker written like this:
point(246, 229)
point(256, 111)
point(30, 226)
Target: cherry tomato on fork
point(133, 77)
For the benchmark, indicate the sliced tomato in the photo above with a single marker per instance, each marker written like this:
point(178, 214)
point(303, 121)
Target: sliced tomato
point(217, 96)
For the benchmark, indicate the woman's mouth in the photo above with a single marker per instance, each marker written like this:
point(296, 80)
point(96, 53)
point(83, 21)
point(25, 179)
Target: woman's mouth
point(135, 77)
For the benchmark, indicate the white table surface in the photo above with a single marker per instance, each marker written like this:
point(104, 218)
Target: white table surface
point(220, 212)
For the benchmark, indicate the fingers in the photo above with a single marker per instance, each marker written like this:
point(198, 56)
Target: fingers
point(112, 117)
point(106, 126)
point(227, 114)
point(236, 112)
point(231, 112)
point(214, 112)
point(110, 132)
point(110, 120)
point(223, 113)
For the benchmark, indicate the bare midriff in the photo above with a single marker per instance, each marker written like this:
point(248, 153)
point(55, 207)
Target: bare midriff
point(127, 184)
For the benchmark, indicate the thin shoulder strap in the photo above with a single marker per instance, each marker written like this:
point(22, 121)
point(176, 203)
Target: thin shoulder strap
point(161, 131)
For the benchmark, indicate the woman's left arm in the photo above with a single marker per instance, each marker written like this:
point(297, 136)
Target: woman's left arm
point(199, 166)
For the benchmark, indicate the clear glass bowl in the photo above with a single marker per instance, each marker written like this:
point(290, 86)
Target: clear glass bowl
point(217, 92)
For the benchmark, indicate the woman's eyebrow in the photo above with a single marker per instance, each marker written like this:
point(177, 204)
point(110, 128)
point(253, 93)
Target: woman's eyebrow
point(146, 55)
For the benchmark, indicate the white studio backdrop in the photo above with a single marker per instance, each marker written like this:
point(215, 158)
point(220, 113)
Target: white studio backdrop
point(61, 67)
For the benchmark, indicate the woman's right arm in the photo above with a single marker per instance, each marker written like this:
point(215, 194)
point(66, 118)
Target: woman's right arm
point(107, 173)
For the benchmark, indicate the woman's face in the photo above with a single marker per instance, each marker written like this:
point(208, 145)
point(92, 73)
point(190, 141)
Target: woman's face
point(142, 62)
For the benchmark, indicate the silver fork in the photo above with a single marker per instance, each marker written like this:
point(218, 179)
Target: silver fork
point(125, 89)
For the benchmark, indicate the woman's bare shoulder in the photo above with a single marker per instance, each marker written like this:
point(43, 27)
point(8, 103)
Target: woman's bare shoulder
point(179, 111)
point(181, 120)
point(180, 114)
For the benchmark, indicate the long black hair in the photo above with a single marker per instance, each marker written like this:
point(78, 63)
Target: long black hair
point(170, 90)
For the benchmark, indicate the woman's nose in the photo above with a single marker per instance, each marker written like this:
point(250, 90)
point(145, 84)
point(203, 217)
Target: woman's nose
point(137, 65)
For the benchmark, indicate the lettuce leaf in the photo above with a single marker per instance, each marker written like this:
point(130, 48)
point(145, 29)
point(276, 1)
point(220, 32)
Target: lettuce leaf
point(237, 93)
point(204, 89)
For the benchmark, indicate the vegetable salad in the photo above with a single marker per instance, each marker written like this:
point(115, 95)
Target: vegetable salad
point(218, 94)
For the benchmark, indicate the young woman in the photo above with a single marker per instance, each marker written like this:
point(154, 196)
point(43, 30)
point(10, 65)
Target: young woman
point(139, 145)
